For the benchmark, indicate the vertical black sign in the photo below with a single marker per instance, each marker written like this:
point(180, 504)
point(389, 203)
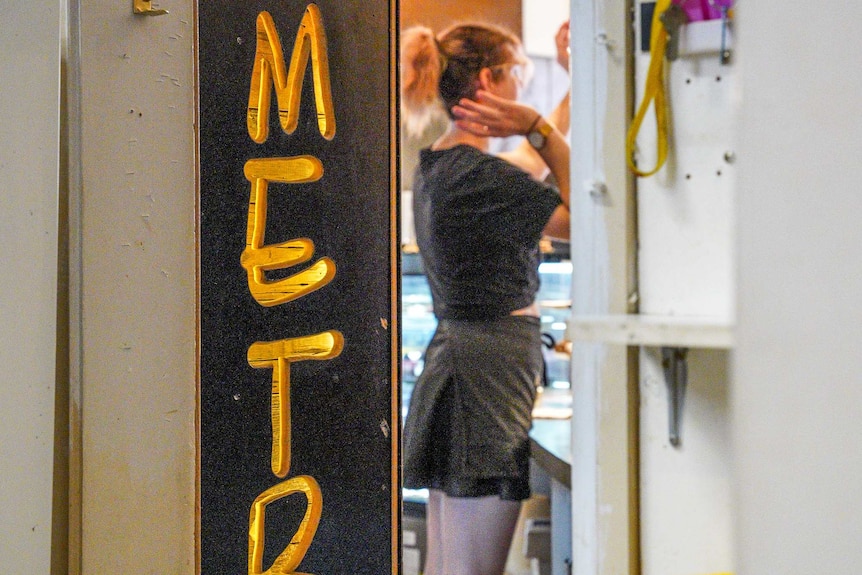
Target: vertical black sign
point(298, 402)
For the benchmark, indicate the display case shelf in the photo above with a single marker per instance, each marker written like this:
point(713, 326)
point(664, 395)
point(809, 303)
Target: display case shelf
point(653, 330)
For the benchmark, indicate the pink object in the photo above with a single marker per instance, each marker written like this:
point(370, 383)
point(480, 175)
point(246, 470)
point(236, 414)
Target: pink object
point(698, 10)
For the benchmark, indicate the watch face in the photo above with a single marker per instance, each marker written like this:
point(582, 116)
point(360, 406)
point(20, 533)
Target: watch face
point(536, 139)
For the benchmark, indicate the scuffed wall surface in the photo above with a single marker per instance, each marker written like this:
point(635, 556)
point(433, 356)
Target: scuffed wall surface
point(138, 275)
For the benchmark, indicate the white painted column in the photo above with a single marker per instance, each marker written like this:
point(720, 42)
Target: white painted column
point(29, 194)
point(603, 508)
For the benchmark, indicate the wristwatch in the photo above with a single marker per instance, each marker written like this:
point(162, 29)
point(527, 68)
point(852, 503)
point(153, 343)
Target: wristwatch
point(538, 136)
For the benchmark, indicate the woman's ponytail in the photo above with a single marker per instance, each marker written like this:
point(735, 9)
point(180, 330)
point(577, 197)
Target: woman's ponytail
point(422, 64)
point(436, 74)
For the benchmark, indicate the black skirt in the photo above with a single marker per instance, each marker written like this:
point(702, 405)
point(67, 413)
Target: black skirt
point(467, 428)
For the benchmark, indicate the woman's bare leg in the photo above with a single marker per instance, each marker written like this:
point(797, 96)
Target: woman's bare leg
point(476, 533)
point(433, 535)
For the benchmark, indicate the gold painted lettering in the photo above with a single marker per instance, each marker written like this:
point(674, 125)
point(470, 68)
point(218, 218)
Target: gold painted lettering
point(289, 559)
point(278, 355)
point(258, 258)
point(269, 68)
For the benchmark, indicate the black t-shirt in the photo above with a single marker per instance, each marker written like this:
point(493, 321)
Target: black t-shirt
point(478, 222)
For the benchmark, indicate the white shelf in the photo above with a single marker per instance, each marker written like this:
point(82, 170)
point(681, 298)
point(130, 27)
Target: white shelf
point(653, 330)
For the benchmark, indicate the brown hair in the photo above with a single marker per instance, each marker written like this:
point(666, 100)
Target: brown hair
point(445, 68)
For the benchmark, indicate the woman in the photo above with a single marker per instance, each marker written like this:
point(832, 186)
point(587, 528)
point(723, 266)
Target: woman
point(479, 219)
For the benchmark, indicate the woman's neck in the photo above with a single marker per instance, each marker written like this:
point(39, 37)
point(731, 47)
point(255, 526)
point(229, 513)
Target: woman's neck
point(455, 136)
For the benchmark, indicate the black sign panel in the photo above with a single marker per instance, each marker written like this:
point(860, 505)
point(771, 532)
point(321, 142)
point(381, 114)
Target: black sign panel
point(298, 281)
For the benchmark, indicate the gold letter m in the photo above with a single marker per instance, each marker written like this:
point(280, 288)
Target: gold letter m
point(269, 62)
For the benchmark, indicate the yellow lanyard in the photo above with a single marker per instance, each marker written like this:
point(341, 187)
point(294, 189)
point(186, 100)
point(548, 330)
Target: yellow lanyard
point(653, 92)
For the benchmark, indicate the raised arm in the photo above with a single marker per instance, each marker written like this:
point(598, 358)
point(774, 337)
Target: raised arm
point(524, 156)
point(490, 115)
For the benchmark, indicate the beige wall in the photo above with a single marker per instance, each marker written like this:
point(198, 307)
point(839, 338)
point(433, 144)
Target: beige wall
point(441, 13)
point(134, 217)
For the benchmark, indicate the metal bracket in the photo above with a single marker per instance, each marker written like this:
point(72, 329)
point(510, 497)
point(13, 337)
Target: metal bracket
point(676, 377)
point(145, 8)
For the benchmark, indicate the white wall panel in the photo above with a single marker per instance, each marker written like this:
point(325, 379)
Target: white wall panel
point(685, 269)
point(796, 395)
point(685, 211)
point(29, 175)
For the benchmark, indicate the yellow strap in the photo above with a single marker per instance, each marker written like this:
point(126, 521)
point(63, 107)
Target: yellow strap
point(653, 92)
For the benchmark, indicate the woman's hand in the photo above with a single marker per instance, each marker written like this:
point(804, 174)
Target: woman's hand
point(490, 115)
point(562, 41)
